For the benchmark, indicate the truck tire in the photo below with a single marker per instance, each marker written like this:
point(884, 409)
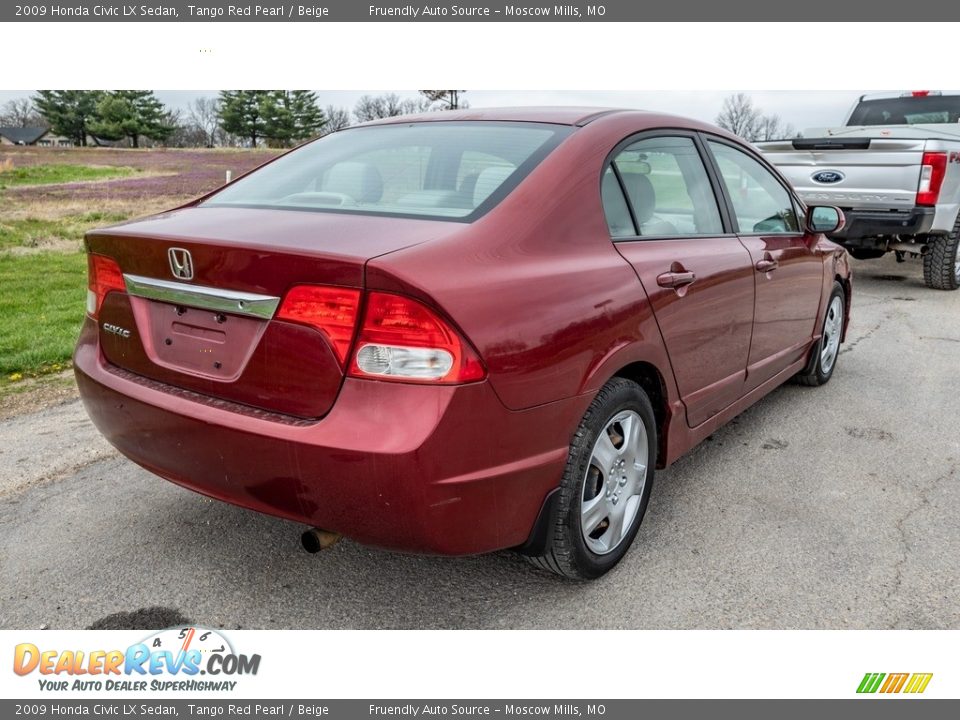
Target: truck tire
point(941, 262)
point(605, 486)
point(823, 359)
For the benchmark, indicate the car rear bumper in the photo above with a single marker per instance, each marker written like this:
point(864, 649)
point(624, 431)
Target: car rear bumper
point(436, 469)
point(871, 223)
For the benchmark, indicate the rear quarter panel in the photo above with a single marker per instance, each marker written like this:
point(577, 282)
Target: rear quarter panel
point(537, 285)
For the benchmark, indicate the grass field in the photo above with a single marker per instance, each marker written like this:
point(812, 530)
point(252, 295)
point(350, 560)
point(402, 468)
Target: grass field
point(41, 307)
point(49, 197)
point(12, 175)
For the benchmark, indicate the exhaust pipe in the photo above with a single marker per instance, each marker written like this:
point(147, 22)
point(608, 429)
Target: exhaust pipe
point(314, 540)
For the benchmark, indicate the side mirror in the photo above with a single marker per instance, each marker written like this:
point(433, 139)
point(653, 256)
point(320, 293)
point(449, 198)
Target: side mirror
point(825, 219)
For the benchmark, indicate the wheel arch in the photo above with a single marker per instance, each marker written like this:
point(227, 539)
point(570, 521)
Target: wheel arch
point(847, 300)
point(649, 377)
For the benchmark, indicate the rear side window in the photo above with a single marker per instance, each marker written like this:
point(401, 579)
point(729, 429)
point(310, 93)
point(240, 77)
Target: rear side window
point(666, 186)
point(761, 204)
point(615, 207)
point(442, 170)
point(931, 109)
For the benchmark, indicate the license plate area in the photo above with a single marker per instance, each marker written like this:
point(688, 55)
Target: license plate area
point(196, 341)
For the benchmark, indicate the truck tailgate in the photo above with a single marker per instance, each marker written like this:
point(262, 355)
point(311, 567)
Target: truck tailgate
point(841, 171)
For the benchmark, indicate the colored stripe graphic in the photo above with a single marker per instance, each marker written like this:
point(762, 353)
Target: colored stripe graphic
point(894, 683)
point(870, 682)
point(918, 683)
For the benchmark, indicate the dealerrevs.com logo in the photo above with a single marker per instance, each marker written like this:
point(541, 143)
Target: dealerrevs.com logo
point(178, 659)
point(910, 683)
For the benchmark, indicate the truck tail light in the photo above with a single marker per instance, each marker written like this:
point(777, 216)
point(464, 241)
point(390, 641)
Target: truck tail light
point(403, 340)
point(331, 310)
point(103, 276)
point(932, 171)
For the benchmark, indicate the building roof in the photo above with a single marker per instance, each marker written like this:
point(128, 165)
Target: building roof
point(23, 135)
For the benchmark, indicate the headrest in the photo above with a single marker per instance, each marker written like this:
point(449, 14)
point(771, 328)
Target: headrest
point(361, 181)
point(642, 195)
point(488, 181)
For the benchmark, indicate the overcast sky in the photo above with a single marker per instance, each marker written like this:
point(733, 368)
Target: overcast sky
point(801, 109)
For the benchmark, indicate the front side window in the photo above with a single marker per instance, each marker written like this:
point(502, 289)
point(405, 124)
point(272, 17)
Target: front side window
point(455, 170)
point(761, 204)
point(668, 189)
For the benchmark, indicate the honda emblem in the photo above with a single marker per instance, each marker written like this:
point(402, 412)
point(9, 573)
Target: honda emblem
point(181, 263)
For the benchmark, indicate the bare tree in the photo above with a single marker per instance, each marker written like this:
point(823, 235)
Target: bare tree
point(375, 107)
point(772, 127)
point(204, 115)
point(338, 118)
point(419, 104)
point(445, 99)
point(741, 117)
point(21, 112)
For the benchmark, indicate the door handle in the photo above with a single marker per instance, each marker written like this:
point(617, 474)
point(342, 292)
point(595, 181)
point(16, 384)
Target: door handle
point(766, 265)
point(675, 279)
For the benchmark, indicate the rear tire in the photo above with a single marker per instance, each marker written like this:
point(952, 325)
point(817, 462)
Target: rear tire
point(823, 361)
point(941, 262)
point(605, 486)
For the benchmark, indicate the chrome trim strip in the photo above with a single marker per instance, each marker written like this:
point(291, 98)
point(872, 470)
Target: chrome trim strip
point(207, 298)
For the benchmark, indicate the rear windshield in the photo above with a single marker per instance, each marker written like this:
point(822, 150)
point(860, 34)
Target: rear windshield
point(445, 170)
point(928, 110)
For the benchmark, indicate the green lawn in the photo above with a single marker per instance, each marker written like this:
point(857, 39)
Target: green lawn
point(54, 174)
point(41, 310)
point(33, 232)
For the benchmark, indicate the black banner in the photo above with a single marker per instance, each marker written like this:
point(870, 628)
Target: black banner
point(485, 11)
point(852, 709)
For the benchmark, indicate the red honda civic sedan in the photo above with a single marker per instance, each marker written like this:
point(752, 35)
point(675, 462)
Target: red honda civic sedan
point(461, 332)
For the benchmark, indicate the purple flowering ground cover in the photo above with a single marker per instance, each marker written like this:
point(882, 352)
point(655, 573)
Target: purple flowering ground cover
point(180, 174)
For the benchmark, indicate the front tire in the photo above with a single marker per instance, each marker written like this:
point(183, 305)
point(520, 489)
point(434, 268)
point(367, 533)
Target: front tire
point(823, 361)
point(606, 484)
point(941, 262)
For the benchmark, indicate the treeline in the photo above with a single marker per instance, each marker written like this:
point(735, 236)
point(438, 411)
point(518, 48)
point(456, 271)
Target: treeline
point(234, 118)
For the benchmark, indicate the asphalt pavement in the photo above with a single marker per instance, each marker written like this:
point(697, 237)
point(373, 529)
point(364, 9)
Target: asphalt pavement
point(833, 507)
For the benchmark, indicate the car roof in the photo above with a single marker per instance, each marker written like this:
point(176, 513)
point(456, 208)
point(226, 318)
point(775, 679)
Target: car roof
point(576, 116)
point(557, 115)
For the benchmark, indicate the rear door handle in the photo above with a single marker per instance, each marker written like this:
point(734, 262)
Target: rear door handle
point(675, 279)
point(767, 265)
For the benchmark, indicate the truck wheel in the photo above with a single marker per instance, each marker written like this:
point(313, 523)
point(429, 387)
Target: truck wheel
point(941, 262)
point(823, 361)
point(606, 484)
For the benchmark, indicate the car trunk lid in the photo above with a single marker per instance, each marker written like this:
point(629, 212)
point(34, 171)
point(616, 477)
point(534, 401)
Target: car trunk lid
point(203, 288)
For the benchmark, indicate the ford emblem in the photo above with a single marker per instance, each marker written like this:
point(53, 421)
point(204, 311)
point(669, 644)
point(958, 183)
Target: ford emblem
point(827, 177)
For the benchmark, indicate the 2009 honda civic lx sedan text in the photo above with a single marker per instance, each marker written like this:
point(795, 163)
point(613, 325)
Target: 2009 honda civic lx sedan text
point(461, 332)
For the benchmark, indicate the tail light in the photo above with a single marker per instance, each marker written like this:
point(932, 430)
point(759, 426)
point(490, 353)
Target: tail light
point(932, 171)
point(103, 276)
point(403, 340)
point(331, 310)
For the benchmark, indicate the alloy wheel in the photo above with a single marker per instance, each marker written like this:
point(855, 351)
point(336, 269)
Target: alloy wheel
point(832, 330)
point(614, 482)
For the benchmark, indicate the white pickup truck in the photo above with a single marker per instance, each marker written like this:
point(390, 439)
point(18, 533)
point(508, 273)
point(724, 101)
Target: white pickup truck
point(894, 169)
